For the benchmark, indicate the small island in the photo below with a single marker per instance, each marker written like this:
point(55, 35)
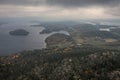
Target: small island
point(38, 25)
point(19, 32)
point(45, 31)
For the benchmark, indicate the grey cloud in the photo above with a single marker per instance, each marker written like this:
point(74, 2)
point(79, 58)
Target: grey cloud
point(63, 3)
point(83, 3)
point(111, 6)
point(115, 11)
point(22, 2)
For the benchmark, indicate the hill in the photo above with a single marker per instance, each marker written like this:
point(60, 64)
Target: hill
point(70, 63)
point(60, 40)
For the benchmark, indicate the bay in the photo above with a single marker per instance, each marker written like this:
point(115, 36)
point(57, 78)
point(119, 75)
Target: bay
point(12, 44)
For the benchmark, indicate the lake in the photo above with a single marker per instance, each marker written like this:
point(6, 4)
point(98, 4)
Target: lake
point(12, 44)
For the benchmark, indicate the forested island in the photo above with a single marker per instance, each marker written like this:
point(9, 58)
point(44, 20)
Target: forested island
point(19, 32)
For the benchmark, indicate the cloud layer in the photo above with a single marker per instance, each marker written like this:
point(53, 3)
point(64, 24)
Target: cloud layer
point(83, 3)
point(61, 8)
point(65, 3)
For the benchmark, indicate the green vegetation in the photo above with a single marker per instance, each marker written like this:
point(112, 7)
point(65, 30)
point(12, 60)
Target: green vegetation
point(83, 33)
point(60, 40)
point(87, 54)
point(70, 63)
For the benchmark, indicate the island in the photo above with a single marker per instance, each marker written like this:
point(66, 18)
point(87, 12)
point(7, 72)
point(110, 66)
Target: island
point(45, 31)
point(19, 32)
point(37, 25)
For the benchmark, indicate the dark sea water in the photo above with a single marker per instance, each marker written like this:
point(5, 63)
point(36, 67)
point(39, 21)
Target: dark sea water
point(13, 44)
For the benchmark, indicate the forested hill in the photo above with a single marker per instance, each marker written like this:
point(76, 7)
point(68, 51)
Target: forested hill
point(70, 63)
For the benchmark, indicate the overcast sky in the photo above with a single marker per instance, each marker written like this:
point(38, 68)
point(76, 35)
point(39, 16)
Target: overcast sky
point(60, 9)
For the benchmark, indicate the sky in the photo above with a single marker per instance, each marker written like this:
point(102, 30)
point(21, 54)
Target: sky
point(60, 9)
